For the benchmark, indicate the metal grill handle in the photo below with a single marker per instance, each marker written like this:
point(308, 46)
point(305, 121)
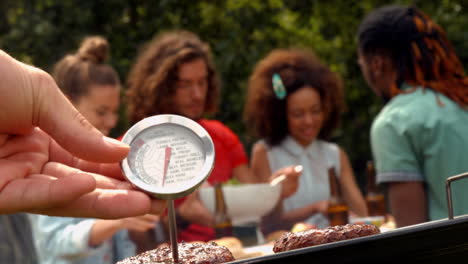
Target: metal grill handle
point(449, 191)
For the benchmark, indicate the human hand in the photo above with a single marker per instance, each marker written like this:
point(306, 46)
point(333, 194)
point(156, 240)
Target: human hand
point(302, 226)
point(30, 98)
point(141, 223)
point(38, 176)
point(291, 181)
point(40, 172)
point(103, 230)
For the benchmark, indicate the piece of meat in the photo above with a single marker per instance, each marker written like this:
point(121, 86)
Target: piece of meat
point(313, 237)
point(189, 253)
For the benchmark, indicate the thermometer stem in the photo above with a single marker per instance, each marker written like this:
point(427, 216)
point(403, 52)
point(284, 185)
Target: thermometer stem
point(173, 231)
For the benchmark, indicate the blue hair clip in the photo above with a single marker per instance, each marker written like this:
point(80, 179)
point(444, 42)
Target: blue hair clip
point(278, 86)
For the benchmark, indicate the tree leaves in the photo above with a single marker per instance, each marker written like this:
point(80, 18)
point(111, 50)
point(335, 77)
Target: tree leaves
point(240, 31)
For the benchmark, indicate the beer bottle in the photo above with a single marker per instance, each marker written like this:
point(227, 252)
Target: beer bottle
point(337, 210)
point(223, 224)
point(375, 199)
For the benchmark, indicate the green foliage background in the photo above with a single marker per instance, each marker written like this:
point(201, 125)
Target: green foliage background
point(240, 31)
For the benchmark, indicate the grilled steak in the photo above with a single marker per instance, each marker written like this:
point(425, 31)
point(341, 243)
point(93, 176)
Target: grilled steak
point(189, 253)
point(313, 237)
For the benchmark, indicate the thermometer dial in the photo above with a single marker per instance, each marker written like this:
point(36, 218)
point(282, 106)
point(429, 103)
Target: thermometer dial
point(170, 156)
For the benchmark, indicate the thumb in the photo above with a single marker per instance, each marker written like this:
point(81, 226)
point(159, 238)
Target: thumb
point(55, 114)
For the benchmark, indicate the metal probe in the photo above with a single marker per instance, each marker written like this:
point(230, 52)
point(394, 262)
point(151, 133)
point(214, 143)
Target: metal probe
point(173, 231)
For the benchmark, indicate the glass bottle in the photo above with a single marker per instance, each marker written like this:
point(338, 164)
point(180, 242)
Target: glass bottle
point(223, 224)
point(337, 210)
point(375, 199)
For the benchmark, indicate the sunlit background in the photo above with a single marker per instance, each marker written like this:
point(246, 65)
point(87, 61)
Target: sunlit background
point(240, 33)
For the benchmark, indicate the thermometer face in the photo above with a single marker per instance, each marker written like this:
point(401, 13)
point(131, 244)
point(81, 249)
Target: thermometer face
point(170, 156)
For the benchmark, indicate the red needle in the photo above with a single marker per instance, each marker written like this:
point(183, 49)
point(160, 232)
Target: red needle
point(167, 158)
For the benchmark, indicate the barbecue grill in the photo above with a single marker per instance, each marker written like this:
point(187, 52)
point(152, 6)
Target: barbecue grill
point(441, 241)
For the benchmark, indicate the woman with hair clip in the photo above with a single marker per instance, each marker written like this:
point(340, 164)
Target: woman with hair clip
point(420, 137)
point(94, 89)
point(294, 104)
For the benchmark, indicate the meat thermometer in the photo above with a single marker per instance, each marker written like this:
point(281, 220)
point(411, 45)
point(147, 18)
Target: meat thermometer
point(170, 157)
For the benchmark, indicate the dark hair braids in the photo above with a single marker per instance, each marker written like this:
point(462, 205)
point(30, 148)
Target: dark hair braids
point(419, 48)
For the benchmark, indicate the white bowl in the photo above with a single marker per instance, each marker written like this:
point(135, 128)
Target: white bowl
point(246, 203)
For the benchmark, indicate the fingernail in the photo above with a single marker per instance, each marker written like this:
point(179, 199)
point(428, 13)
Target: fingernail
point(115, 142)
point(298, 168)
point(278, 179)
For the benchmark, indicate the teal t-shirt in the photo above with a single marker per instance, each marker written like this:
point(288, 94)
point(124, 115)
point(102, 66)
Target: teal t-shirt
point(414, 138)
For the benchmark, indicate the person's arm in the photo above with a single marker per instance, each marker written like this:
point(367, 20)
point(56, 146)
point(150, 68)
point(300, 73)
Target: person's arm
point(244, 174)
point(277, 219)
point(65, 237)
point(352, 195)
point(399, 150)
point(259, 162)
point(351, 192)
point(61, 237)
point(260, 167)
point(407, 202)
point(103, 230)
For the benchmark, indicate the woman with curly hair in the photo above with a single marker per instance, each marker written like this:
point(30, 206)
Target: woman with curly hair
point(294, 103)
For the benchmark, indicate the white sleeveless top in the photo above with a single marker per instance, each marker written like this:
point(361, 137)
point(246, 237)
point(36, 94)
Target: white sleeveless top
point(313, 183)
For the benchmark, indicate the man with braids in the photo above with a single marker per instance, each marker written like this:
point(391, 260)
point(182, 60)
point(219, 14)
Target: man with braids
point(420, 137)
